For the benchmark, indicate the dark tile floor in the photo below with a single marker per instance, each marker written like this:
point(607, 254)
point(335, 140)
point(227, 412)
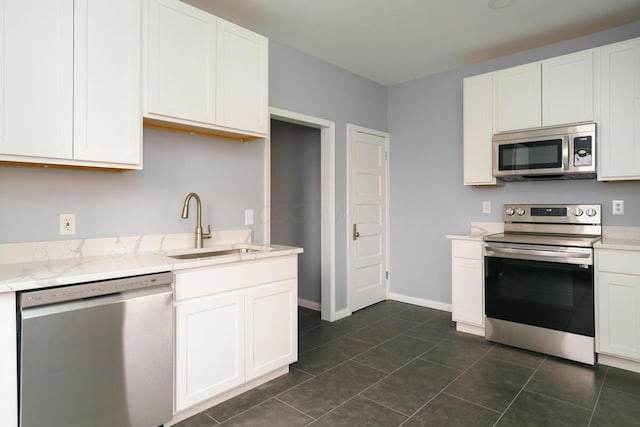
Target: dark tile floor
point(395, 364)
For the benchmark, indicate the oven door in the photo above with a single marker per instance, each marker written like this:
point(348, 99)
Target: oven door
point(545, 286)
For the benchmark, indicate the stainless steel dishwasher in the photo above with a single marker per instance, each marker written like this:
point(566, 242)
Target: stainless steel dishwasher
point(97, 354)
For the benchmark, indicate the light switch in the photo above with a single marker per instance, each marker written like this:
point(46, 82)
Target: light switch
point(486, 207)
point(248, 217)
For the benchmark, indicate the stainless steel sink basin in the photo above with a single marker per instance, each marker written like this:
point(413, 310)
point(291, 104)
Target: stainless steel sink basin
point(194, 255)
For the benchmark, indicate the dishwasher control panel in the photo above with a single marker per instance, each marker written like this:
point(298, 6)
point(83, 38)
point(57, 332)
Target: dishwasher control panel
point(93, 289)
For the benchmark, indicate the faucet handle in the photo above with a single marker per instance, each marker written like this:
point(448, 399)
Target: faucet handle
point(207, 235)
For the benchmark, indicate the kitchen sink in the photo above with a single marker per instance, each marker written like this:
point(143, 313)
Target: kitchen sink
point(214, 253)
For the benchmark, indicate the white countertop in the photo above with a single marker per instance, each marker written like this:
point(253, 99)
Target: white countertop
point(622, 238)
point(74, 265)
point(477, 231)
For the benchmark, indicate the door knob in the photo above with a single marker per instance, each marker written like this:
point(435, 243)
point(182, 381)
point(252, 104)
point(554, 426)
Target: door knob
point(356, 234)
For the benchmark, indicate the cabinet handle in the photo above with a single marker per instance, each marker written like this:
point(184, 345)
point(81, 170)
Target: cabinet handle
point(356, 234)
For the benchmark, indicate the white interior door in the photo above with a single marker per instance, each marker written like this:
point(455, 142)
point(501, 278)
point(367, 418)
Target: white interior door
point(368, 218)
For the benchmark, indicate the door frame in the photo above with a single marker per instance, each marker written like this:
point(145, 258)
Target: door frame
point(386, 136)
point(327, 188)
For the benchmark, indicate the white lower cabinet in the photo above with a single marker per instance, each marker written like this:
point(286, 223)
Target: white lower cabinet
point(271, 326)
point(234, 324)
point(467, 286)
point(618, 303)
point(209, 347)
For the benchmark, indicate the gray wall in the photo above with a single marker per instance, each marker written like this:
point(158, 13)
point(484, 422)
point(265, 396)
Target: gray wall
point(295, 199)
point(306, 85)
point(137, 202)
point(428, 199)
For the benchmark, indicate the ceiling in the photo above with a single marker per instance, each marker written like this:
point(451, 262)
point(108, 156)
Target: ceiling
point(394, 41)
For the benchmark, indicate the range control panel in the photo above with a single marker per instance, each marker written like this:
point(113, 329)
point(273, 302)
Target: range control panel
point(553, 214)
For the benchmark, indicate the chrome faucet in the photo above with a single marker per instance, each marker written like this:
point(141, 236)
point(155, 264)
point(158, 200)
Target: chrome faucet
point(185, 214)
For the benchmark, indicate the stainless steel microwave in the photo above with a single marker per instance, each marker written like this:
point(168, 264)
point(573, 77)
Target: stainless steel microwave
point(554, 152)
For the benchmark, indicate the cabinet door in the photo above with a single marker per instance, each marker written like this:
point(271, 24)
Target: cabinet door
point(242, 79)
point(519, 97)
point(181, 61)
point(478, 130)
point(567, 89)
point(36, 78)
point(107, 110)
point(619, 314)
point(272, 320)
point(209, 347)
point(467, 288)
point(619, 125)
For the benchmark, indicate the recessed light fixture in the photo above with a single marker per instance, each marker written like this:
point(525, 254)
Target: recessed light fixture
point(500, 4)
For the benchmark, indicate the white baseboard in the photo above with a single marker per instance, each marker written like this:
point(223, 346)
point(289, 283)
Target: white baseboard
point(470, 329)
point(421, 302)
point(617, 362)
point(311, 305)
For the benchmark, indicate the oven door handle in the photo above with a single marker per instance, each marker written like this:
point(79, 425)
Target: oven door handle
point(567, 257)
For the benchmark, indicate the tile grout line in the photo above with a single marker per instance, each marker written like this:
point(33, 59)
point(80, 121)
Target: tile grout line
point(384, 406)
point(296, 409)
point(521, 390)
point(595, 405)
point(495, 411)
point(448, 384)
point(274, 396)
point(559, 400)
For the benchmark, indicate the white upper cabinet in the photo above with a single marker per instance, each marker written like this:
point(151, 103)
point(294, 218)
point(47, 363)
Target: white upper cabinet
point(71, 83)
point(567, 89)
point(518, 98)
point(107, 101)
point(182, 62)
point(546, 93)
point(36, 78)
point(619, 122)
point(478, 129)
point(242, 78)
point(204, 73)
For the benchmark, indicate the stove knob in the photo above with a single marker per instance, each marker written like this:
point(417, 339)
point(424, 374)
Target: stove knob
point(591, 212)
point(520, 211)
point(578, 212)
point(509, 211)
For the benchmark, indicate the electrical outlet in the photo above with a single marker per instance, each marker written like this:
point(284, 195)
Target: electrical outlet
point(486, 207)
point(67, 224)
point(248, 217)
point(618, 207)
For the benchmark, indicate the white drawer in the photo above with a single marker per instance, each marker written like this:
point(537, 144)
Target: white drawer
point(625, 262)
point(471, 249)
point(211, 280)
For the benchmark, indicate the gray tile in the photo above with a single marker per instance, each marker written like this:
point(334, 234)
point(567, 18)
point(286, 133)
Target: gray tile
point(491, 383)
point(446, 410)
point(394, 353)
point(321, 335)
point(248, 399)
point(417, 314)
point(198, 420)
point(568, 381)
point(303, 348)
point(324, 358)
point(621, 380)
point(517, 356)
point(272, 412)
point(459, 354)
point(321, 394)
point(434, 330)
point(531, 409)
point(617, 409)
point(306, 322)
point(385, 309)
point(410, 387)
point(383, 330)
point(360, 412)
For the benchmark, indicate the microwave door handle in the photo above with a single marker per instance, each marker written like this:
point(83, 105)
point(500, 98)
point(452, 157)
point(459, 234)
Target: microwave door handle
point(566, 141)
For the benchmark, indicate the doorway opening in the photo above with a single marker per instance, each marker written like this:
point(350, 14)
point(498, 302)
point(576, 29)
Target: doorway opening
point(318, 212)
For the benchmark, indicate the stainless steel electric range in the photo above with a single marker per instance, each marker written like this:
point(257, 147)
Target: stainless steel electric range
point(539, 280)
